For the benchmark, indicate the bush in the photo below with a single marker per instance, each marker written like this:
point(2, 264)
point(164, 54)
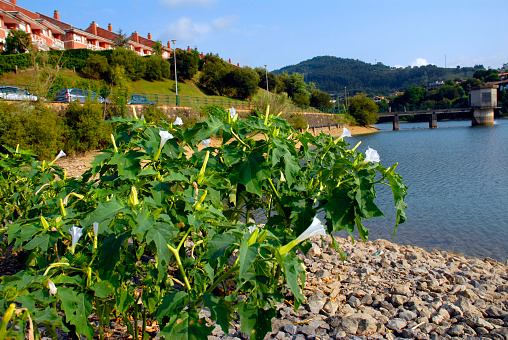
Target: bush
point(134, 65)
point(279, 103)
point(298, 121)
point(153, 114)
point(86, 129)
point(156, 68)
point(363, 109)
point(242, 82)
point(32, 127)
point(96, 66)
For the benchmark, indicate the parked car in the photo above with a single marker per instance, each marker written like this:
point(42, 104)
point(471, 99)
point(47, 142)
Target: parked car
point(139, 99)
point(70, 95)
point(15, 93)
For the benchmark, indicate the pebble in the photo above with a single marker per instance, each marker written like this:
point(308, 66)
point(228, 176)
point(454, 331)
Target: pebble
point(389, 291)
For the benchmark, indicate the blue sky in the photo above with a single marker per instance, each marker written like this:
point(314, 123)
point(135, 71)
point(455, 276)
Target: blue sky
point(282, 32)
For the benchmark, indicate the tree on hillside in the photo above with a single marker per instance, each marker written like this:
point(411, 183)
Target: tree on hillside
point(157, 48)
point(157, 68)
point(213, 72)
point(17, 42)
point(187, 64)
point(242, 82)
point(319, 98)
point(122, 39)
point(363, 109)
point(96, 67)
point(133, 64)
point(274, 83)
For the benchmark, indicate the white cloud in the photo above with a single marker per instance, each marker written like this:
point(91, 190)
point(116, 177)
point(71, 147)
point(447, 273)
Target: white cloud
point(186, 3)
point(187, 30)
point(420, 62)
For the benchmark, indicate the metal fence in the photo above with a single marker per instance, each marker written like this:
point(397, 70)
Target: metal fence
point(187, 101)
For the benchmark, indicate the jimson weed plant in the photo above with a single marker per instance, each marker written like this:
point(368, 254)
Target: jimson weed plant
point(164, 225)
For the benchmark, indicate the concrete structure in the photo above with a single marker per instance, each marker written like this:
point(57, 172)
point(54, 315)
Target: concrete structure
point(483, 101)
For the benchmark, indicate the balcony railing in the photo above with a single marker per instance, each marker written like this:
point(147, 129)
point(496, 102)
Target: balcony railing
point(58, 44)
point(39, 42)
point(95, 47)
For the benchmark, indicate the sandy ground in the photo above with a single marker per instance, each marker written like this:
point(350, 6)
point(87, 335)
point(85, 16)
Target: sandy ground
point(76, 165)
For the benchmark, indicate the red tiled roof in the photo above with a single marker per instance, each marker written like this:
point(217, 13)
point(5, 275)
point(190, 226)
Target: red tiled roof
point(55, 22)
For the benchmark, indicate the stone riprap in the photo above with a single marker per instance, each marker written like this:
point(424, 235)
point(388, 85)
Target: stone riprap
point(387, 291)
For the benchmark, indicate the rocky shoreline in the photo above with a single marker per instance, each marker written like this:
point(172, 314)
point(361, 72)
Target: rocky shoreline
point(387, 291)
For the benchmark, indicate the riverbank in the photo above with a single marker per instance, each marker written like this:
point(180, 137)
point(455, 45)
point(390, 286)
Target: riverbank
point(387, 291)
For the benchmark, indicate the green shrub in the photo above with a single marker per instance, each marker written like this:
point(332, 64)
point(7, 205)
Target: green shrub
point(32, 127)
point(153, 114)
point(156, 68)
point(86, 129)
point(298, 121)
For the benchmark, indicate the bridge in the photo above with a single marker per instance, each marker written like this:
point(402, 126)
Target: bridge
point(482, 102)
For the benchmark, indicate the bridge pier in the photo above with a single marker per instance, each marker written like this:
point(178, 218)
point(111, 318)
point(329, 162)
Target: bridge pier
point(482, 117)
point(433, 121)
point(395, 122)
point(483, 101)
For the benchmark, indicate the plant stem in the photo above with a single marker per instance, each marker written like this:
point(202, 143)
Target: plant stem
point(144, 325)
point(221, 278)
point(180, 266)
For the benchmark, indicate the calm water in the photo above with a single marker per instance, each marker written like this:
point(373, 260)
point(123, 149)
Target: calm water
point(458, 181)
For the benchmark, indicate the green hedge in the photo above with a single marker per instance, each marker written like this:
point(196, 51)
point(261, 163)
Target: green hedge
point(69, 59)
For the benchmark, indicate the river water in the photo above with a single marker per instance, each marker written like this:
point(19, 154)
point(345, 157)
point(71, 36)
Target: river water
point(457, 178)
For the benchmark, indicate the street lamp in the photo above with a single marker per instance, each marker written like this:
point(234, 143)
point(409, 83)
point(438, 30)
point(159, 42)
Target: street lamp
point(266, 72)
point(174, 59)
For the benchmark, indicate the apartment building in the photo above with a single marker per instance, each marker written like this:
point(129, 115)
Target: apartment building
point(44, 35)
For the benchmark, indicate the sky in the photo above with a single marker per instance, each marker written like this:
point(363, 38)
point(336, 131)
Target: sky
point(280, 33)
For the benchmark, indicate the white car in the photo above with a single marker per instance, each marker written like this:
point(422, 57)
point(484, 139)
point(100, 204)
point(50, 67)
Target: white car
point(15, 93)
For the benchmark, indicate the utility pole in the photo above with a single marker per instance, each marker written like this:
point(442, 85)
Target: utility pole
point(266, 73)
point(176, 79)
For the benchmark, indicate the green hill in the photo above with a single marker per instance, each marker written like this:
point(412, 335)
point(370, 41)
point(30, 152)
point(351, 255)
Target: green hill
point(332, 75)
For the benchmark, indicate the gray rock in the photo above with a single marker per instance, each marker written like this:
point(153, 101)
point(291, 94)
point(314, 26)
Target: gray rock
point(477, 321)
point(354, 301)
point(399, 300)
point(456, 330)
point(410, 333)
point(330, 307)
point(407, 315)
point(396, 324)
point(401, 289)
point(367, 325)
point(495, 312)
point(346, 324)
point(290, 328)
point(367, 300)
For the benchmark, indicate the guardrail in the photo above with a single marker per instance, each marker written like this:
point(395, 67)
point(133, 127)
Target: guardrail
point(187, 101)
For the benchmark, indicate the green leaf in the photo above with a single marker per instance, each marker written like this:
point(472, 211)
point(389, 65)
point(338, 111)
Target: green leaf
point(41, 241)
point(109, 252)
point(256, 322)
point(399, 191)
point(186, 326)
point(105, 211)
point(246, 257)
point(102, 289)
point(294, 271)
point(77, 309)
point(175, 176)
point(218, 245)
point(128, 165)
point(161, 234)
point(171, 305)
point(144, 221)
point(219, 310)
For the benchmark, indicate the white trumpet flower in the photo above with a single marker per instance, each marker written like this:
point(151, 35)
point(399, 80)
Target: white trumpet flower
point(206, 142)
point(315, 228)
point(76, 233)
point(345, 133)
point(60, 155)
point(232, 113)
point(52, 288)
point(95, 228)
point(165, 136)
point(371, 155)
point(178, 121)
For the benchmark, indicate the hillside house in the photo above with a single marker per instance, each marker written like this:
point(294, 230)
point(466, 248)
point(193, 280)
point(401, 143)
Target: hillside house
point(44, 35)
